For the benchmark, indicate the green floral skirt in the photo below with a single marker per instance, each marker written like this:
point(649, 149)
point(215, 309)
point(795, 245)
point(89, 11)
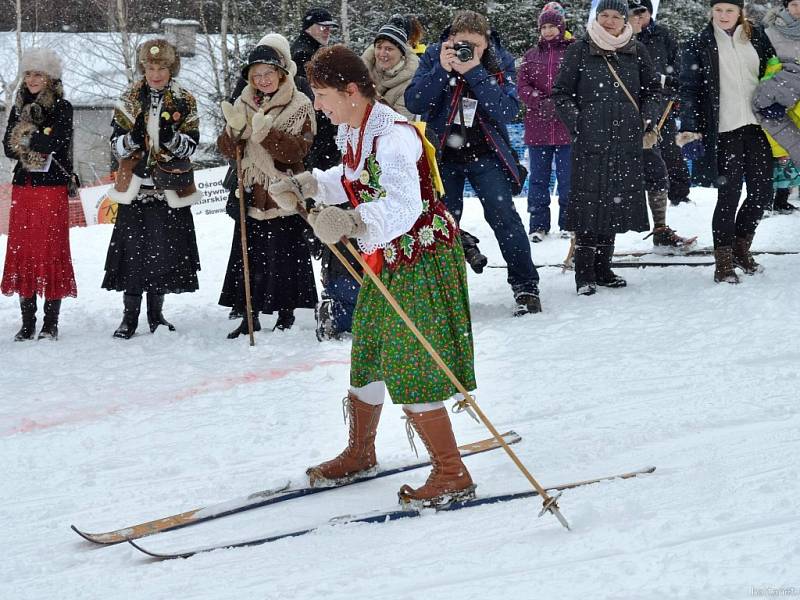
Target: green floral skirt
point(433, 292)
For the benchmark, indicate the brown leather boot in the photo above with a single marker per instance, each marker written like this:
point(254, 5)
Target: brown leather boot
point(358, 459)
point(742, 257)
point(723, 270)
point(449, 480)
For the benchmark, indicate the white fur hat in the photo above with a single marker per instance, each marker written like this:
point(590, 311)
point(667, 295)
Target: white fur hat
point(43, 60)
point(280, 44)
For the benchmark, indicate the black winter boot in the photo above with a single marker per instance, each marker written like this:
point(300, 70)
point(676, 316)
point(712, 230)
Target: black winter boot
point(603, 274)
point(243, 329)
point(28, 308)
point(52, 308)
point(585, 280)
point(130, 316)
point(472, 254)
point(285, 319)
point(155, 304)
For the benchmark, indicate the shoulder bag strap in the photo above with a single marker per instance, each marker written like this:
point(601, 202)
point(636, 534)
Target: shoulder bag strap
point(622, 85)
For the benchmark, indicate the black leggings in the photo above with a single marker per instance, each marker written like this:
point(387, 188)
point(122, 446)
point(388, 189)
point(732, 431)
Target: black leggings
point(742, 154)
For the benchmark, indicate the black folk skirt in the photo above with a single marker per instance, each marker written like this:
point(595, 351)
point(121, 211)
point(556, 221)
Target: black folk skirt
point(281, 276)
point(153, 248)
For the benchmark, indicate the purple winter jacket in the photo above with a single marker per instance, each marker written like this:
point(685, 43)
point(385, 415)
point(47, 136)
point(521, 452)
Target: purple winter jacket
point(535, 81)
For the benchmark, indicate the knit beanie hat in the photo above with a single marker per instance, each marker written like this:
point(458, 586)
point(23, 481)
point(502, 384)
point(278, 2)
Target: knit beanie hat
point(555, 6)
point(553, 18)
point(739, 3)
point(396, 35)
point(621, 6)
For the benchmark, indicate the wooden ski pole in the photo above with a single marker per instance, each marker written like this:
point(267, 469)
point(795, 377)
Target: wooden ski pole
point(243, 231)
point(667, 110)
point(570, 254)
point(549, 503)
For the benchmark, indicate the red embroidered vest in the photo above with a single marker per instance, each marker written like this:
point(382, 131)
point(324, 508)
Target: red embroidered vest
point(434, 226)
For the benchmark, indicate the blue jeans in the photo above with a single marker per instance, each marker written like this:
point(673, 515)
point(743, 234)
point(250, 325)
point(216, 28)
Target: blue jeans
point(489, 180)
point(343, 292)
point(541, 167)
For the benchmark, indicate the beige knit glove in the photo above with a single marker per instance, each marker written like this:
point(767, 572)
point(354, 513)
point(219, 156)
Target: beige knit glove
point(261, 121)
point(684, 137)
point(234, 117)
point(288, 191)
point(331, 224)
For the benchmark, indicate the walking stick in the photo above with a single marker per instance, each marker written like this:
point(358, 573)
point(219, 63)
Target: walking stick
point(549, 503)
point(243, 231)
point(667, 110)
point(570, 254)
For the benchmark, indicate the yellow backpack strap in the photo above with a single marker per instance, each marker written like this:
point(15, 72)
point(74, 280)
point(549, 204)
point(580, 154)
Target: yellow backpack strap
point(430, 155)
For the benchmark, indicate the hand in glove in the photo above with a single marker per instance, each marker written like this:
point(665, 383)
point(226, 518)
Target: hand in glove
point(684, 137)
point(288, 191)
point(166, 131)
point(138, 131)
point(773, 112)
point(262, 122)
point(332, 223)
point(235, 117)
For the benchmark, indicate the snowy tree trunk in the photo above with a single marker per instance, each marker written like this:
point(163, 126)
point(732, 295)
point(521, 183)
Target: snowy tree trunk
point(345, 26)
point(210, 47)
point(122, 27)
point(223, 34)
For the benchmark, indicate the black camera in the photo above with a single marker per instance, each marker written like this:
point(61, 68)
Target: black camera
point(465, 51)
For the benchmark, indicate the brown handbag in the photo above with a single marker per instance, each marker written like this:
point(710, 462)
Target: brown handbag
point(176, 174)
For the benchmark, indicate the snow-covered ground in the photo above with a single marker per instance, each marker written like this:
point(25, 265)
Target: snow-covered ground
point(698, 379)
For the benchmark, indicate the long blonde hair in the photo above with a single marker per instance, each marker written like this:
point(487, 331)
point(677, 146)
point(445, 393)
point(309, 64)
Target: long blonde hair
point(747, 26)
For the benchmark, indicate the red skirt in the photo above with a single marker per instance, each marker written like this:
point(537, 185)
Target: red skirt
point(38, 259)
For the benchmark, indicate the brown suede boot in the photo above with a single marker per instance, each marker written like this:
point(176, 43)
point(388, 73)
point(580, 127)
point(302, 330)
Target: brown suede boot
point(358, 459)
point(449, 480)
point(723, 271)
point(742, 257)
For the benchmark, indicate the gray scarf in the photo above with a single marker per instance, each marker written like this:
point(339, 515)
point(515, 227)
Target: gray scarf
point(787, 25)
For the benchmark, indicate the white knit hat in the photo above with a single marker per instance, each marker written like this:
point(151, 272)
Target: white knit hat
point(280, 44)
point(43, 60)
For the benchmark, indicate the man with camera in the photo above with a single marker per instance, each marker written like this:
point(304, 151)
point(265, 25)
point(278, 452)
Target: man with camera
point(465, 89)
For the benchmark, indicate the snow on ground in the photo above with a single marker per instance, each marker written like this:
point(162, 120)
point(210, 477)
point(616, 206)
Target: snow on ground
point(675, 371)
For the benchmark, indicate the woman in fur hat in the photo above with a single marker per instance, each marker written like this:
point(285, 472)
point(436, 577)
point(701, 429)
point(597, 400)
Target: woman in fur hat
point(39, 138)
point(274, 124)
point(153, 247)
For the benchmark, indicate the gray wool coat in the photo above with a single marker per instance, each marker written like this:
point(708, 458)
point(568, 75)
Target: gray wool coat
point(783, 88)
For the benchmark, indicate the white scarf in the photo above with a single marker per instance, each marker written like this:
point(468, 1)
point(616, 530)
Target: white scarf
point(605, 40)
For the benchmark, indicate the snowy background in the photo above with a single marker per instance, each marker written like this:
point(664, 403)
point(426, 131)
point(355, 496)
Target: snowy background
point(698, 379)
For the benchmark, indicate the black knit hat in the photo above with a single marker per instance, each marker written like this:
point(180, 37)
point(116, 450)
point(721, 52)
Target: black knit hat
point(396, 35)
point(264, 55)
point(621, 6)
point(638, 5)
point(739, 3)
point(318, 16)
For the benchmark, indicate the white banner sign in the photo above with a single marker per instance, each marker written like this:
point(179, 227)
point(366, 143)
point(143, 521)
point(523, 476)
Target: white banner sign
point(99, 208)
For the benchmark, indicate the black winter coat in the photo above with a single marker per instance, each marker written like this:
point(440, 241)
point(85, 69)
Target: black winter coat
point(699, 94)
point(663, 50)
point(607, 192)
point(58, 118)
point(323, 153)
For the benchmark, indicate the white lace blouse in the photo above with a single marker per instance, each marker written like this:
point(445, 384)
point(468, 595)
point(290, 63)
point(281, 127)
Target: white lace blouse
point(397, 151)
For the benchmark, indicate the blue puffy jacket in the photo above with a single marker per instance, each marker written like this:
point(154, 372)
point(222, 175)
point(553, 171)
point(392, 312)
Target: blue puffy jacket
point(431, 96)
